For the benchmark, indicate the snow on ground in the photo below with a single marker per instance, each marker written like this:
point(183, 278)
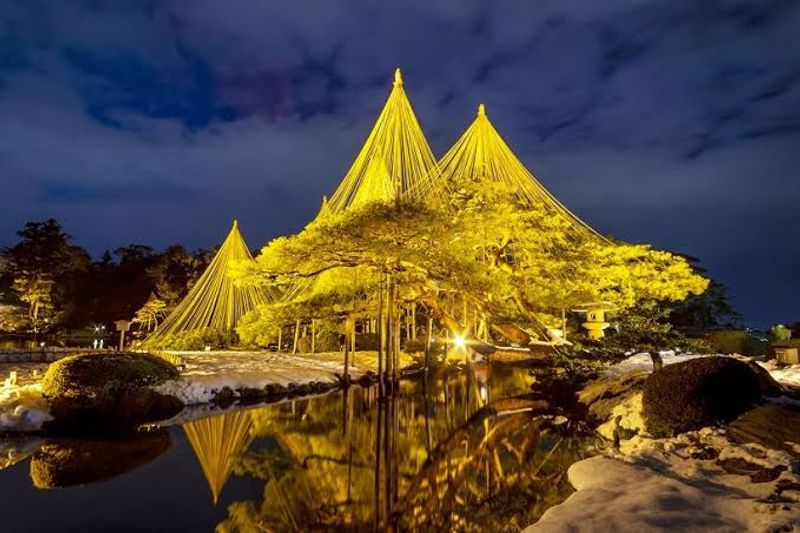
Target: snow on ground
point(684, 483)
point(788, 375)
point(22, 408)
point(642, 361)
point(668, 485)
point(208, 372)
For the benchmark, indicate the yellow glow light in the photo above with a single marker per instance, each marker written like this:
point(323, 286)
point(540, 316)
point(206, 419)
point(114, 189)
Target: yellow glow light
point(459, 341)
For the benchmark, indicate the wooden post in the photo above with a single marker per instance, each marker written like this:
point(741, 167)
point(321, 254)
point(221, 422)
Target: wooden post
point(389, 325)
point(379, 327)
point(313, 337)
point(346, 375)
point(398, 334)
point(396, 364)
point(122, 327)
point(296, 336)
point(280, 333)
point(414, 321)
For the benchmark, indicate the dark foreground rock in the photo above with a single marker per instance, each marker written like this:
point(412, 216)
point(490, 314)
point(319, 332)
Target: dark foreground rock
point(108, 392)
point(770, 425)
point(600, 396)
point(701, 392)
point(66, 461)
point(273, 392)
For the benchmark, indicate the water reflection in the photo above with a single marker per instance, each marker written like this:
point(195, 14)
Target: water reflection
point(64, 462)
point(478, 450)
point(471, 452)
point(217, 441)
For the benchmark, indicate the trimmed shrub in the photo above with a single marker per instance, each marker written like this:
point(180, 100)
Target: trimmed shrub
point(71, 375)
point(697, 393)
point(739, 341)
point(367, 342)
point(196, 339)
point(107, 391)
point(326, 341)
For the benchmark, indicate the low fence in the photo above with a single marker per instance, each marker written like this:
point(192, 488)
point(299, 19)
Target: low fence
point(43, 355)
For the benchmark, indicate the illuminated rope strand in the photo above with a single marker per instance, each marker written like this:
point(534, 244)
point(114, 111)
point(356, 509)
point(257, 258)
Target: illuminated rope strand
point(481, 153)
point(214, 302)
point(394, 161)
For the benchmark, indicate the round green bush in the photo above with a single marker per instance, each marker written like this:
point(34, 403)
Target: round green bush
point(74, 374)
point(105, 391)
point(697, 393)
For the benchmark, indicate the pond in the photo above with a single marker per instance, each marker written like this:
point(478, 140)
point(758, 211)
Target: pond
point(478, 450)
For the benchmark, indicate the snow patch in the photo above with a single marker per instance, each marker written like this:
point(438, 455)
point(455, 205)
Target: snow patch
point(626, 415)
point(684, 483)
point(666, 484)
point(23, 408)
point(642, 361)
point(207, 373)
point(787, 375)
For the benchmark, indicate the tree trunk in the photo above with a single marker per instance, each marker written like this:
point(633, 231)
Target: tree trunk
point(513, 333)
point(465, 314)
point(428, 345)
point(353, 338)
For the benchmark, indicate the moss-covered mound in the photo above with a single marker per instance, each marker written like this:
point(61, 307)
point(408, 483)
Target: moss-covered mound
point(698, 393)
point(65, 462)
point(107, 392)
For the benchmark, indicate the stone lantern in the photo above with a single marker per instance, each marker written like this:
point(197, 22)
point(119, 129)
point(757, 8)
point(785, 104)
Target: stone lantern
point(595, 323)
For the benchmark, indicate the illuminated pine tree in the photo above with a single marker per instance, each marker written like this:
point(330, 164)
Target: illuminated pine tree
point(215, 304)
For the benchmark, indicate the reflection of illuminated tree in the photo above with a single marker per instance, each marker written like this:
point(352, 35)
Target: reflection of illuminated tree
point(426, 459)
point(217, 441)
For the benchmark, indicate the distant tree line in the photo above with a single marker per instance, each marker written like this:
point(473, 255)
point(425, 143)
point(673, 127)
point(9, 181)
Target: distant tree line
point(50, 285)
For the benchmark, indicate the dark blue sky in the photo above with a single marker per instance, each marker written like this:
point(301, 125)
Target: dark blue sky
point(674, 122)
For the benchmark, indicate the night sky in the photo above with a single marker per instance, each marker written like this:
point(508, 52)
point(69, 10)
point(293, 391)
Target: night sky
point(675, 123)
